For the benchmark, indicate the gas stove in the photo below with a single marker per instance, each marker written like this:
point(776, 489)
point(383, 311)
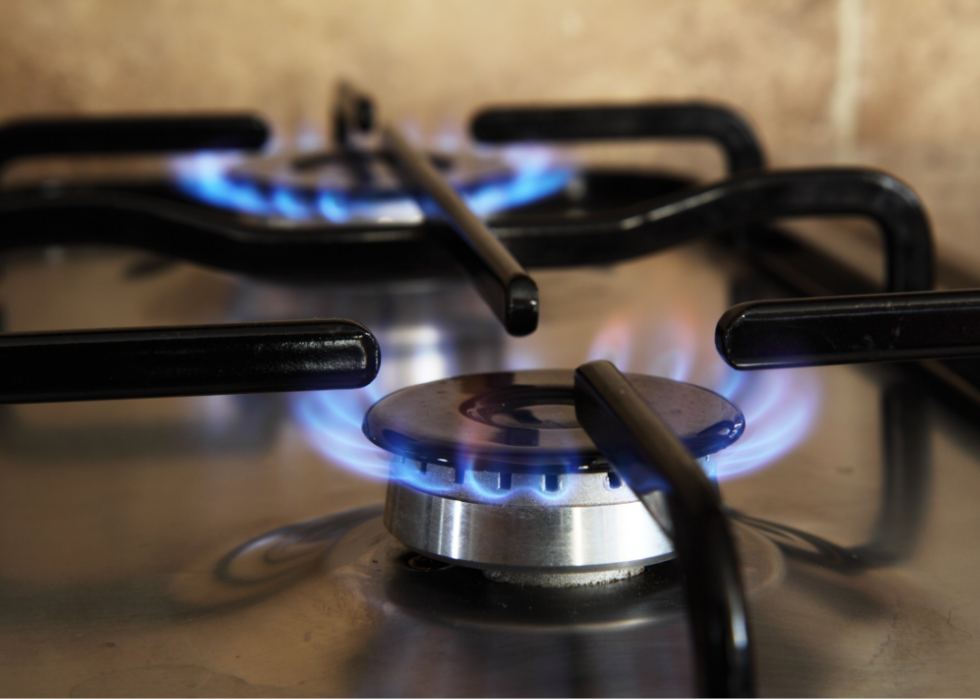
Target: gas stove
point(481, 422)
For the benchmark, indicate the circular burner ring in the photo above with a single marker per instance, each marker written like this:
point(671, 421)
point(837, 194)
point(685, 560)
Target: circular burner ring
point(526, 419)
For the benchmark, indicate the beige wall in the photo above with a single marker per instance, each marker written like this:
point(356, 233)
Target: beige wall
point(894, 83)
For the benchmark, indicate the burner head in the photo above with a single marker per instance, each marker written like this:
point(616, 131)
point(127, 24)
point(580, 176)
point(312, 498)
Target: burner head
point(528, 418)
point(492, 471)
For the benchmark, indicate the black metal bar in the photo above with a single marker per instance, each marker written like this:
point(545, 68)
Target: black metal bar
point(130, 134)
point(353, 113)
point(650, 458)
point(186, 361)
point(851, 329)
point(906, 474)
point(228, 242)
point(807, 270)
point(740, 201)
point(654, 120)
point(906, 478)
point(801, 268)
point(504, 284)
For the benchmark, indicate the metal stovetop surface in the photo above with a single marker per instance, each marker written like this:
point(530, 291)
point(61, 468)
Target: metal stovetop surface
point(124, 568)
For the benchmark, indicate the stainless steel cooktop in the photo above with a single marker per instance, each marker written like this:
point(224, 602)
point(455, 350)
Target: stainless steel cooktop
point(233, 545)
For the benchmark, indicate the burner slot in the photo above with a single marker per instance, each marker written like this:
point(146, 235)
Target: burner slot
point(652, 460)
point(118, 135)
point(636, 121)
point(186, 361)
point(501, 280)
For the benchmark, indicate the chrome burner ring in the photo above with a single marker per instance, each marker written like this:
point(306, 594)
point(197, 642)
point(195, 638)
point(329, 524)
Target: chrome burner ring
point(524, 538)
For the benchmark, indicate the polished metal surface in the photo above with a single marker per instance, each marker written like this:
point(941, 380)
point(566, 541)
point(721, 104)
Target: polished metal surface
point(120, 521)
point(548, 579)
point(629, 634)
point(538, 538)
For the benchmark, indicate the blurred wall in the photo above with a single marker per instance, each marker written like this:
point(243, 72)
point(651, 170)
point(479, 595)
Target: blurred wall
point(893, 83)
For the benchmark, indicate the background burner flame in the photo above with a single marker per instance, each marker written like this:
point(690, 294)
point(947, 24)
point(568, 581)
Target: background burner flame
point(211, 178)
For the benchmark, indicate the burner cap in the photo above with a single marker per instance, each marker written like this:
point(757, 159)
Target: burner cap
point(528, 418)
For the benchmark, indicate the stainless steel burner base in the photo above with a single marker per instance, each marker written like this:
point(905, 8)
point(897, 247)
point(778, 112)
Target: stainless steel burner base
point(539, 538)
point(538, 579)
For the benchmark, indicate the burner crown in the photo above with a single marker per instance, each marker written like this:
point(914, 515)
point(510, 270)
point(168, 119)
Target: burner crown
point(527, 418)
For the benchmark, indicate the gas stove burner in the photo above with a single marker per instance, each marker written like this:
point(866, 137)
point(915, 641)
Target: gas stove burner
point(492, 471)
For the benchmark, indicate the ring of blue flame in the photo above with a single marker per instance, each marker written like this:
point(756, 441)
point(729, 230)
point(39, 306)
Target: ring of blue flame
point(210, 179)
point(780, 411)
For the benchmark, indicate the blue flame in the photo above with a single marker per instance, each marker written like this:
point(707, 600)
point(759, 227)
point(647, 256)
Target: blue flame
point(332, 419)
point(780, 407)
point(407, 472)
point(488, 493)
point(205, 177)
point(210, 178)
point(533, 177)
